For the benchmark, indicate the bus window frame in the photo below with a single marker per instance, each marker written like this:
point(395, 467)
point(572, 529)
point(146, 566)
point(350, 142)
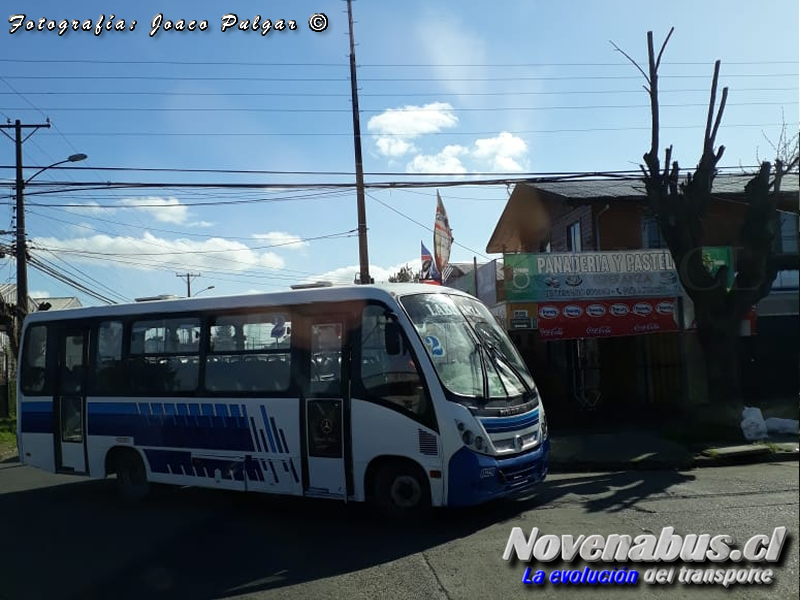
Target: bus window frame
point(428, 419)
point(208, 321)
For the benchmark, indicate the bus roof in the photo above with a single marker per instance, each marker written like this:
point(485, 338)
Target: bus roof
point(384, 292)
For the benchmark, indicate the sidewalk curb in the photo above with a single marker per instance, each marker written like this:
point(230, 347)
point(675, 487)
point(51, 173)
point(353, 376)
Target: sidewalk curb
point(757, 455)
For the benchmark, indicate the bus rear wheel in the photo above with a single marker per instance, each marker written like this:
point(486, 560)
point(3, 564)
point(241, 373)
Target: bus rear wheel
point(132, 484)
point(402, 492)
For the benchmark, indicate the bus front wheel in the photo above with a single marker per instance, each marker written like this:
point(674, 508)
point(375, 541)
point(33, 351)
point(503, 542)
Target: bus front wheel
point(402, 491)
point(132, 483)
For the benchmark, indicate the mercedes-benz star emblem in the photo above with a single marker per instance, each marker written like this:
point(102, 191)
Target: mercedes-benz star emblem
point(326, 426)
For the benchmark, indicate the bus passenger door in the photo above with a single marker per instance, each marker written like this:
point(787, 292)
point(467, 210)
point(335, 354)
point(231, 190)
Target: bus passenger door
point(325, 404)
point(69, 403)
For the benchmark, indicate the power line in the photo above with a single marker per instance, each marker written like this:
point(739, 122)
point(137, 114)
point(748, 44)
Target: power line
point(431, 229)
point(389, 134)
point(375, 79)
point(415, 110)
point(204, 252)
point(370, 65)
point(387, 95)
point(632, 172)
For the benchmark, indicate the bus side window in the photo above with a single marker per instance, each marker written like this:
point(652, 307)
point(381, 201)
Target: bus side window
point(34, 361)
point(109, 370)
point(392, 378)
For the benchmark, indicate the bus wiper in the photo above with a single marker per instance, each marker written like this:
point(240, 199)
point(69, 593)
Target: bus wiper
point(495, 351)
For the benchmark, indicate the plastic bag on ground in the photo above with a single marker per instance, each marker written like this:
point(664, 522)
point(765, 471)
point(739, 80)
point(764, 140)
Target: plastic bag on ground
point(753, 425)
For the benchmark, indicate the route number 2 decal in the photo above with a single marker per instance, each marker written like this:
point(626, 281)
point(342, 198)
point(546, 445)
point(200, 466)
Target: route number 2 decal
point(437, 350)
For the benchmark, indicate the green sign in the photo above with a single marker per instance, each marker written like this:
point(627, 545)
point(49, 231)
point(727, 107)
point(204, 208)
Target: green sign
point(715, 257)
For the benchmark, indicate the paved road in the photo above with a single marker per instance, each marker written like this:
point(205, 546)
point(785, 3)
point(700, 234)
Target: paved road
point(66, 538)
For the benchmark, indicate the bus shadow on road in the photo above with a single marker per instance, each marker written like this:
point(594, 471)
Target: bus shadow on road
point(203, 544)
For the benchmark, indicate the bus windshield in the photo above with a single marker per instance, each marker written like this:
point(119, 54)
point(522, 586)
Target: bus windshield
point(472, 354)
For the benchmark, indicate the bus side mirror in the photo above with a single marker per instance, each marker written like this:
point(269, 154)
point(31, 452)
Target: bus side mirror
point(391, 336)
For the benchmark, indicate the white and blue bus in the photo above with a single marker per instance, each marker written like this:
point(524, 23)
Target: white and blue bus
point(407, 395)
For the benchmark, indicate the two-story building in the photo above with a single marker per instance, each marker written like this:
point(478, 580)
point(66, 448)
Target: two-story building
point(636, 372)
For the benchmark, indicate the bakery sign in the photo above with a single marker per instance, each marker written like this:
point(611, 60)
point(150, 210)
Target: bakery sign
point(590, 275)
point(607, 318)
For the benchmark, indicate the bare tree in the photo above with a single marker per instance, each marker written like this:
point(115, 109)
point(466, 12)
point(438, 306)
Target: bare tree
point(404, 275)
point(680, 207)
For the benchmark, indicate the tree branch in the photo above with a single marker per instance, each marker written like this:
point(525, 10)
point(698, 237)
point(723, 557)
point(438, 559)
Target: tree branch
point(635, 64)
point(663, 47)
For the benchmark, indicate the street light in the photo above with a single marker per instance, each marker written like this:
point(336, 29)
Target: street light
point(22, 254)
point(211, 287)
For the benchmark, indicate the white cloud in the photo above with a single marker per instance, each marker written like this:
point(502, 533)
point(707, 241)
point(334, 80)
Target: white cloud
point(346, 275)
point(150, 252)
point(38, 294)
point(446, 161)
point(282, 239)
point(396, 127)
point(502, 152)
point(165, 210)
point(92, 208)
point(394, 147)
point(200, 224)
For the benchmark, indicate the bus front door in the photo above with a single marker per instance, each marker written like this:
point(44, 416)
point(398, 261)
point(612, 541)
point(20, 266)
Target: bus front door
point(325, 411)
point(69, 403)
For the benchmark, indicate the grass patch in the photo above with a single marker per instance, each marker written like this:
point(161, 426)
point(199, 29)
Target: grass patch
point(8, 435)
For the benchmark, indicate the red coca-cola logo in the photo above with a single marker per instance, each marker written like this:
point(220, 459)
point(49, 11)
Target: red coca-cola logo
point(548, 312)
point(572, 311)
point(642, 309)
point(598, 330)
point(665, 308)
point(647, 327)
point(595, 310)
point(619, 310)
point(551, 332)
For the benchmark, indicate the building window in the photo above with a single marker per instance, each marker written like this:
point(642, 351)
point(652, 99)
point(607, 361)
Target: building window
point(651, 234)
point(574, 237)
point(786, 234)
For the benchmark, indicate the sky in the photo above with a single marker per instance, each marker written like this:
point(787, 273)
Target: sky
point(449, 94)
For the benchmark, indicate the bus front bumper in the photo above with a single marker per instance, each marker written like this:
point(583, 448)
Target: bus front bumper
point(476, 478)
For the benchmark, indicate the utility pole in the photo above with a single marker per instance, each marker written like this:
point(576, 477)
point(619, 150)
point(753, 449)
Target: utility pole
point(362, 212)
point(189, 277)
point(22, 250)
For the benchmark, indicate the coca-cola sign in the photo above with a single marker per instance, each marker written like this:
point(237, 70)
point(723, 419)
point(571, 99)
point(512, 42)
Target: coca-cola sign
point(548, 312)
point(619, 309)
point(572, 311)
point(643, 309)
point(597, 331)
point(596, 310)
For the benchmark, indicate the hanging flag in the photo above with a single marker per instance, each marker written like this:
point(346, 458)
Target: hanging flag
point(429, 270)
point(442, 236)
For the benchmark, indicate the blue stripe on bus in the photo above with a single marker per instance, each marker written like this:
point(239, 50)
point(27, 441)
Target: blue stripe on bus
point(294, 472)
point(277, 436)
point(183, 431)
point(175, 461)
point(36, 417)
point(266, 426)
point(497, 425)
point(285, 445)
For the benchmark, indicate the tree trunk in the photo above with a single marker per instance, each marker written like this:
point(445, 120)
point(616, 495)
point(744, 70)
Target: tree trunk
point(719, 339)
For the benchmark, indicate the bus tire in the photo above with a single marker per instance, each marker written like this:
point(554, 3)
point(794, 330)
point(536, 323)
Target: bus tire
point(132, 484)
point(402, 491)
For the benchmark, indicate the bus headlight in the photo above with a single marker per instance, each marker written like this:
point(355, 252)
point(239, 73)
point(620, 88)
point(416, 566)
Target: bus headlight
point(479, 443)
point(467, 437)
point(544, 424)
